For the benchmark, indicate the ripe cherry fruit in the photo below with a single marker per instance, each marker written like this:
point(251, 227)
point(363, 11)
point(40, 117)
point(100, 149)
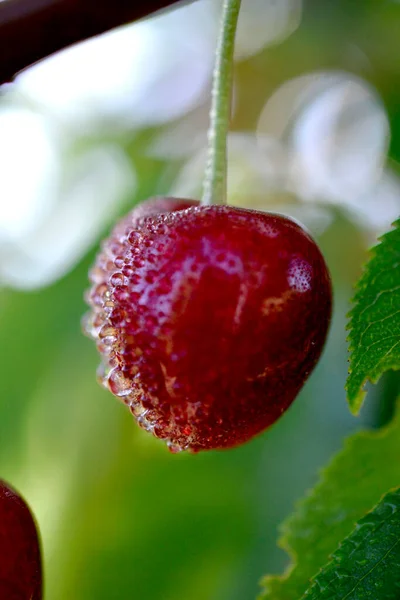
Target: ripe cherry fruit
point(209, 318)
point(20, 563)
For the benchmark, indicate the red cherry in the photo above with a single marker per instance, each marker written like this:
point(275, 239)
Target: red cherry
point(209, 318)
point(20, 563)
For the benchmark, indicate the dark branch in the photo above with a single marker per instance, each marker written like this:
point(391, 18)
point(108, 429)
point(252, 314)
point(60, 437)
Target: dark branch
point(33, 29)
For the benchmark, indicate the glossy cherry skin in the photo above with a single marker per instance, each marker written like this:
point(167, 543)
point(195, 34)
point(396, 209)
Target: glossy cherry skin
point(209, 319)
point(20, 562)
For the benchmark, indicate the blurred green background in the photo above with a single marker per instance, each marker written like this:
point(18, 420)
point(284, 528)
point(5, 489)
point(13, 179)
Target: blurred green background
point(120, 516)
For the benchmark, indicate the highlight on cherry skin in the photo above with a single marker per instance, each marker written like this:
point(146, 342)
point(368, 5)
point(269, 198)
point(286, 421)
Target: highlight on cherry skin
point(209, 319)
point(20, 560)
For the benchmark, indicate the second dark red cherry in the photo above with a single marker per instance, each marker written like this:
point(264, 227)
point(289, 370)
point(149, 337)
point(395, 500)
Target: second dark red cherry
point(209, 319)
point(20, 562)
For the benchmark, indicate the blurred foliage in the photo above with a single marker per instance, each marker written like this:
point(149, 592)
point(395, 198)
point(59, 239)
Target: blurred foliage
point(121, 517)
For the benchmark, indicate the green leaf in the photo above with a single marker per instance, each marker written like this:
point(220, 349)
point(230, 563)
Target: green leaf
point(356, 479)
point(374, 339)
point(367, 563)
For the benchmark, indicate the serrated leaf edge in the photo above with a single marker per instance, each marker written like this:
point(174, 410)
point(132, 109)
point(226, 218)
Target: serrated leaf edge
point(356, 402)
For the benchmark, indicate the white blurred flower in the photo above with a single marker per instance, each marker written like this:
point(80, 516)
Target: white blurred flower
point(153, 71)
point(321, 140)
point(336, 132)
point(340, 141)
point(47, 224)
point(29, 169)
point(265, 22)
point(145, 74)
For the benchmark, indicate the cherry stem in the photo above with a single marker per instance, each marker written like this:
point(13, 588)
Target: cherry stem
point(215, 180)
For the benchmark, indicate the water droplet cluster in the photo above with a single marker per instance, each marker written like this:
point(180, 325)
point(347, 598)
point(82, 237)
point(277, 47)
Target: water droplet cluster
point(208, 319)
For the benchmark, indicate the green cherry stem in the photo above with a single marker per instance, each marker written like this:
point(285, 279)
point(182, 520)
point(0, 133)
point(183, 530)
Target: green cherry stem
point(215, 180)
